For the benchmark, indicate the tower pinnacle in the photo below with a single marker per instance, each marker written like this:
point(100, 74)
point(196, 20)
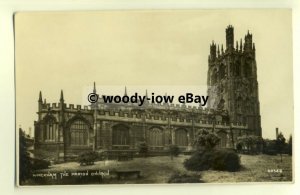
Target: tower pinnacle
point(94, 89)
point(61, 96)
point(125, 92)
point(229, 37)
point(40, 97)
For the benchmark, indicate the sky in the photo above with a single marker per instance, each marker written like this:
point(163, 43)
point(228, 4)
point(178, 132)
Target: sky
point(164, 51)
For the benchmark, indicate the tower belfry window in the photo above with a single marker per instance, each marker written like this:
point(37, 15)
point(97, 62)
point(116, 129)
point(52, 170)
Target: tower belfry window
point(222, 71)
point(214, 77)
point(247, 69)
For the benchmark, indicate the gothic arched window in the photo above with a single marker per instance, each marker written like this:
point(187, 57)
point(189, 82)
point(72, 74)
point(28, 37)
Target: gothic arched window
point(79, 133)
point(156, 137)
point(120, 135)
point(50, 129)
point(247, 69)
point(239, 105)
point(214, 77)
point(237, 69)
point(248, 106)
point(223, 139)
point(222, 71)
point(181, 138)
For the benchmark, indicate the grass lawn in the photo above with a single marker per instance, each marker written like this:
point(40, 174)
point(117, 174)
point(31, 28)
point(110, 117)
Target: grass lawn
point(259, 168)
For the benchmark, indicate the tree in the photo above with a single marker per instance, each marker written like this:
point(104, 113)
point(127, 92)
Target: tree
point(174, 151)
point(207, 140)
point(252, 143)
point(25, 166)
point(269, 147)
point(280, 144)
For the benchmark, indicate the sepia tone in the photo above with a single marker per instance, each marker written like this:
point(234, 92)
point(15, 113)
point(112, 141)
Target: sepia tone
point(65, 133)
point(167, 48)
point(64, 130)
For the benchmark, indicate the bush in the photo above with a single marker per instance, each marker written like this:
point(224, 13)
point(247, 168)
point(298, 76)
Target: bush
point(199, 161)
point(224, 160)
point(206, 139)
point(184, 178)
point(39, 164)
point(143, 149)
point(269, 147)
point(239, 147)
point(87, 158)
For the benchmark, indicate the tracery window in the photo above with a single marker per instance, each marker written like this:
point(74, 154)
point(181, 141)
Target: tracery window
point(120, 135)
point(237, 69)
point(247, 69)
point(181, 138)
point(79, 133)
point(50, 129)
point(222, 72)
point(214, 77)
point(156, 137)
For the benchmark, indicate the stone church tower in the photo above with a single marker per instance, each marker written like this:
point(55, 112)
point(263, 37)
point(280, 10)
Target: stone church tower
point(232, 81)
point(63, 131)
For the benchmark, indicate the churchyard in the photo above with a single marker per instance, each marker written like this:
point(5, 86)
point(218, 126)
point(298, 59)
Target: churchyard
point(159, 169)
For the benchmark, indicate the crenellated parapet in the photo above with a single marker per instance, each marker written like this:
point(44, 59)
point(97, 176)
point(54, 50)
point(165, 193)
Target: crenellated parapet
point(198, 121)
point(206, 116)
point(73, 107)
point(67, 107)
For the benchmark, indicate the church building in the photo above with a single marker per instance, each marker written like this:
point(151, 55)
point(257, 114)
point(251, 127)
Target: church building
point(63, 131)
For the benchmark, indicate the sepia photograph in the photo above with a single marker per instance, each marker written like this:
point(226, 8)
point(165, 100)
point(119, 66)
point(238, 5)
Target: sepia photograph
point(154, 97)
